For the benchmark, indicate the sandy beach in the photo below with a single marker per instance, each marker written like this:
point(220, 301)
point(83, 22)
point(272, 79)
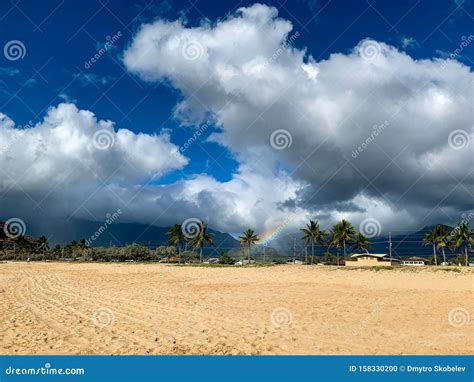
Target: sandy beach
point(72, 308)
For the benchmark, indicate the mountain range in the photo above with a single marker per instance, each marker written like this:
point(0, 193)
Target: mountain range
point(283, 247)
point(120, 234)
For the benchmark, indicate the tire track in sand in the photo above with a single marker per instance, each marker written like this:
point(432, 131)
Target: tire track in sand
point(168, 311)
point(134, 311)
point(147, 339)
point(108, 335)
point(25, 295)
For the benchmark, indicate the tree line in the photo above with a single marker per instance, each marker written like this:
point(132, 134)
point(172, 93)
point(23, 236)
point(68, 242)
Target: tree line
point(459, 238)
point(342, 237)
point(19, 249)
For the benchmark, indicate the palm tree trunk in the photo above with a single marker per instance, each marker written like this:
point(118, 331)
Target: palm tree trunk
point(312, 253)
point(344, 242)
point(306, 254)
point(200, 255)
point(465, 252)
point(249, 254)
point(444, 256)
point(434, 254)
point(337, 252)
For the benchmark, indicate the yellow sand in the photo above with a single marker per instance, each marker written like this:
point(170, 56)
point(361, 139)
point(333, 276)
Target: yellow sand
point(67, 308)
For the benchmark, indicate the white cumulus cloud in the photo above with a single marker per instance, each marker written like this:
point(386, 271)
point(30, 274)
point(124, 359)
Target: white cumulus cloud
point(368, 134)
point(367, 124)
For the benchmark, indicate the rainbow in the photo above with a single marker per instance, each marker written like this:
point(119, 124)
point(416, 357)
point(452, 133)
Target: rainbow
point(271, 234)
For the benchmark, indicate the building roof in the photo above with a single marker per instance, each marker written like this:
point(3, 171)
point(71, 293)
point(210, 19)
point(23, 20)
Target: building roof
point(416, 258)
point(378, 255)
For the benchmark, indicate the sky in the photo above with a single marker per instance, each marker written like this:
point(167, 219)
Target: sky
point(238, 113)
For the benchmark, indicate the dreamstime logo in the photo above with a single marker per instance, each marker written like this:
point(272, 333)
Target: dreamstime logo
point(16, 135)
point(47, 369)
point(197, 134)
point(281, 317)
point(277, 231)
point(191, 228)
point(14, 228)
point(259, 64)
point(103, 317)
point(456, 54)
point(465, 219)
point(458, 317)
point(192, 50)
point(281, 139)
point(110, 43)
point(458, 139)
point(366, 320)
point(284, 47)
point(110, 219)
point(370, 227)
point(5, 146)
point(376, 130)
point(103, 139)
point(14, 50)
point(370, 50)
point(187, 324)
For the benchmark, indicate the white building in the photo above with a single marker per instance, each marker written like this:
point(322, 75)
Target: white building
point(414, 261)
point(294, 262)
point(245, 262)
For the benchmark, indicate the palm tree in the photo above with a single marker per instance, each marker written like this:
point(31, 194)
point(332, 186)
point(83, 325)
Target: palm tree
point(248, 238)
point(361, 243)
point(43, 245)
point(201, 238)
point(463, 237)
point(342, 234)
point(442, 239)
point(176, 238)
point(431, 239)
point(335, 241)
point(313, 234)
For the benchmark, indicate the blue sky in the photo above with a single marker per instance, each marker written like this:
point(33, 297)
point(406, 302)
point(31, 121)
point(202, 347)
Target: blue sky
point(61, 37)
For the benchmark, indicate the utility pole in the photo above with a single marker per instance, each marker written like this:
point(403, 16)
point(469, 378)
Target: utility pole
point(294, 250)
point(390, 245)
